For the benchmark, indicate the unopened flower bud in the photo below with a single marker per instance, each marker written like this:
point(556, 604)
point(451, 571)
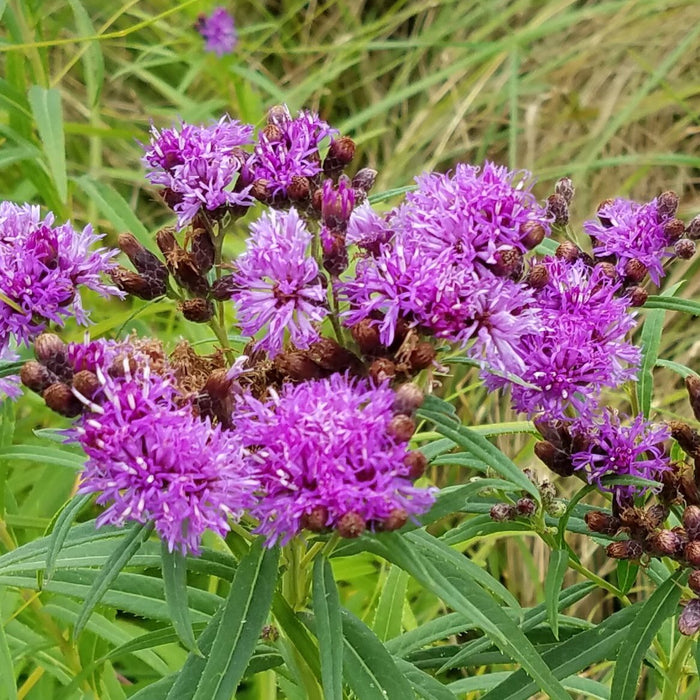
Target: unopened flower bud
point(351, 525)
point(666, 206)
point(557, 460)
point(508, 263)
point(269, 634)
point(502, 511)
point(665, 543)
point(401, 427)
point(299, 189)
point(565, 188)
point(694, 581)
point(656, 515)
point(555, 508)
point(629, 549)
point(602, 523)
point(262, 191)
point(149, 267)
point(693, 228)
point(635, 270)
point(330, 355)
point(166, 241)
point(638, 296)
point(408, 399)
point(532, 233)
point(692, 384)
point(48, 346)
point(202, 250)
point(382, 369)
point(691, 522)
point(558, 208)
point(337, 204)
point(673, 230)
point(297, 365)
point(685, 436)
point(137, 284)
point(36, 376)
point(416, 462)
point(526, 507)
point(691, 553)
point(568, 251)
point(547, 491)
point(59, 398)
point(608, 269)
point(362, 183)
point(538, 277)
point(422, 356)
point(316, 519)
point(604, 220)
point(366, 334)
point(223, 288)
point(86, 383)
point(197, 310)
point(395, 520)
point(340, 153)
point(689, 619)
point(684, 248)
point(335, 251)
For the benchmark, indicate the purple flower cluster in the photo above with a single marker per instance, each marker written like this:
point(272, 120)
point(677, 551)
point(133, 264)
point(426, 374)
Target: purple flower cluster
point(288, 148)
point(152, 460)
point(42, 267)
point(623, 450)
point(219, 31)
point(278, 283)
point(325, 449)
point(201, 167)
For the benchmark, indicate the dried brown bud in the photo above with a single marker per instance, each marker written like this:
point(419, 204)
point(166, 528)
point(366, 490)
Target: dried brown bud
point(638, 296)
point(335, 252)
point(351, 525)
point(508, 263)
point(691, 522)
point(608, 269)
point(689, 619)
point(665, 543)
point(603, 523)
point(197, 310)
point(408, 399)
point(693, 228)
point(202, 250)
point(297, 365)
point(526, 506)
point(568, 251)
point(394, 521)
point(223, 288)
point(340, 153)
point(401, 427)
point(558, 207)
point(299, 189)
point(629, 549)
point(48, 346)
point(674, 229)
point(146, 264)
point(60, 398)
point(656, 515)
point(601, 217)
point(687, 438)
point(691, 553)
point(422, 356)
point(502, 511)
point(565, 187)
point(694, 581)
point(692, 384)
point(635, 270)
point(538, 277)
point(556, 459)
point(330, 355)
point(366, 335)
point(382, 369)
point(316, 519)
point(166, 241)
point(136, 284)
point(273, 132)
point(36, 376)
point(262, 191)
point(86, 383)
point(684, 248)
point(666, 205)
point(416, 462)
point(122, 365)
point(531, 234)
point(363, 182)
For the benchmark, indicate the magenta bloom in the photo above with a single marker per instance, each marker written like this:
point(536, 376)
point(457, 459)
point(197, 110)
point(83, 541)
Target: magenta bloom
point(200, 166)
point(10, 384)
point(367, 229)
point(631, 231)
point(219, 31)
point(42, 268)
point(151, 460)
point(289, 148)
point(278, 282)
point(635, 449)
point(324, 446)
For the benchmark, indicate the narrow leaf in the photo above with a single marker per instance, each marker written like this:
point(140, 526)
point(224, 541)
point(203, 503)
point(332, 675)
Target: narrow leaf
point(558, 564)
point(7, 672)
point(663, 302)
point(387, 620)
point(175, 583)
point(423, 684)
point(329, 629)
point(61, 528)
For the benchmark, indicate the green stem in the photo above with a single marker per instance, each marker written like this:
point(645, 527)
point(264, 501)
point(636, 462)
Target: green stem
point(672, 678)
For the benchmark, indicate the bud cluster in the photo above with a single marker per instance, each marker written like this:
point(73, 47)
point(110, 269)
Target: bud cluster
point(526, 506)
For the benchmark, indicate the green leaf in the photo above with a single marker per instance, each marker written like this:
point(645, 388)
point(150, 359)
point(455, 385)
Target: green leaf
point(48, 115)
point(128, 546)
point(650, 341)
point(44, 455)
point(175, 583)
point(626, 575)
point(558, 564)
point(60, 529)
point(93, 63)
point(297, 633)
point(243, 616)
point(387, 619)
point(662, 604)
point(369, 668)
point(664, 302)
point(329, 629)
point(7, 671)
point(423, 684)
point(677, 367)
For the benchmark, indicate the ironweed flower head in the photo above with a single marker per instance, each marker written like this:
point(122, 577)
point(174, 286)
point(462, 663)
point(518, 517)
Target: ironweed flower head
point(152, 460)
point(278, 284)
point(42, 268)
point(629, 231)
point(613, 448)
point(200, 166)
point(367, 229)
point(329, 454)
point(219, 31)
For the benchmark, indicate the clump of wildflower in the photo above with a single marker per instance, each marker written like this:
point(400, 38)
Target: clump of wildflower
point(331, 454)
point(633, 234)
point(278, 283)
point(42, 268)
point(200, 166)
point(151, 460)
point(219, 31)
point(623, 450)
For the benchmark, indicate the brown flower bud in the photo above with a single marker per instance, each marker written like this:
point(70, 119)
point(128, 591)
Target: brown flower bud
point(692, 385)
point(689, 619)
point(351, 525)
point(299, 189)
point(693, 228)
point(604, 220)
point(145, 262)
point(684, 248)
point(401, 427)
point(638, 296)
point(394, 521)
point(547, 491)
point(335, 252)
point(330, 355)
point(340, 153)
point(197, 310)
point(166, 241)
point(316, 519)
point(603, 523)
point(59, 397)
point(86, 383)
point(262, 191)
point(366, 335)
point(416, 462)
point(298, 366)
point(568, 251)
point(408, 399)
point(502, 511)
point(36, 376)
point(694, 581)
point(664, 543)
point(223, 288)
point(558, 208)
point(509, 263)
point(629, 549)
point(136, 284)
point(674, 229)
point(691, 553)
point(565, 188)
point(121, 365)
point(556, 459)
point(691, 522)
point(422, 356)
point(531, 234)
point(635, 271)
point(526, 506)
point(382, 369)
point(538, 277)
point(608, 269)
point(363, 182)
point(48, 346)
point(656, 515)
point(202, 250)
point(666, 206)
point(687, 438)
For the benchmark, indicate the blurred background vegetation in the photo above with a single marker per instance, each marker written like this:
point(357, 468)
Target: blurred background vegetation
point(606, 92)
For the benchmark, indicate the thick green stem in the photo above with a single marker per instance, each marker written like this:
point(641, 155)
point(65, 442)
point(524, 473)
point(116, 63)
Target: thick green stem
point(673, 677)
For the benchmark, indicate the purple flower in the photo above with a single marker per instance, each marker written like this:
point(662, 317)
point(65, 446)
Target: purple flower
point(289, 148)
point(628, 231)
point(324, 449)
point(41, 269)
point(279, 284)
point(621, 450)
point(367, 229)
point(151, 460)
point(10, 385)
point(200, 166)
point(219, 31)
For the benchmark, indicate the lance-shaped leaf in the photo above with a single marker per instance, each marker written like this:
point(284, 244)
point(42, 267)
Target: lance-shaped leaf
point(329, 629)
